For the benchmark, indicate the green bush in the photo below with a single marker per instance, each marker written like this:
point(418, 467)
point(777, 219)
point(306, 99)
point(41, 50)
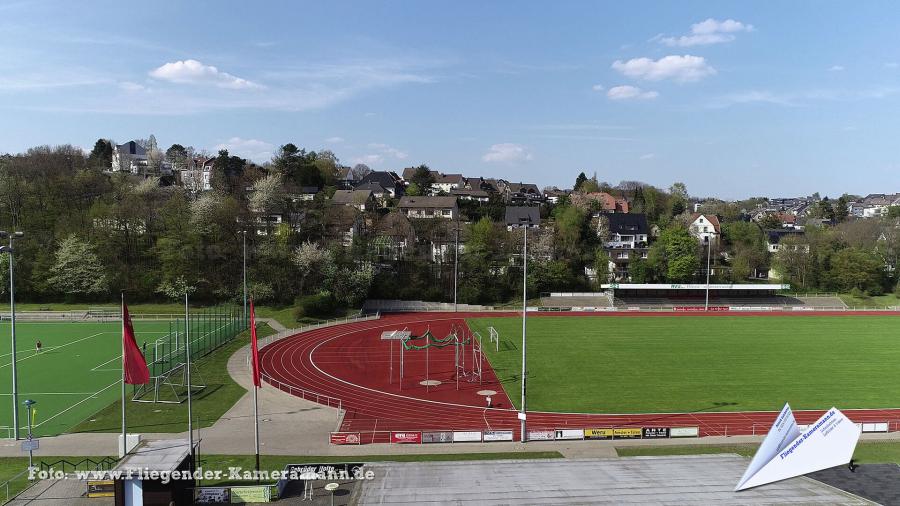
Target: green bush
point(320, 305)
point(859, 294)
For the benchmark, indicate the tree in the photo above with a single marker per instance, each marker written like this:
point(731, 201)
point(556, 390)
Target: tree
point(78, 270)
point(674, 257)
point(310, 260)
point(298, 165)
point(177, 155)
point(414, 190)
point(579, 181)
point(359, 171)
point(101, 155)
point(227, 173)
point(422, 177)
point(770, 221)
point(853, 268)
point(841, 208)
point(267, 193)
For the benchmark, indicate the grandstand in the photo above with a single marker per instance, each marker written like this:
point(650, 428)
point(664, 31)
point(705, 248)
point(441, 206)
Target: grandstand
point(373, 306)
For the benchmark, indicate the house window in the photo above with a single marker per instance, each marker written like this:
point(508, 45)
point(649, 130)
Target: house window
point(701, 220)
point(705, 229)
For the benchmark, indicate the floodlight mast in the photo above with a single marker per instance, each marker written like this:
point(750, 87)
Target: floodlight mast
point(525, 221)
point(12, 322)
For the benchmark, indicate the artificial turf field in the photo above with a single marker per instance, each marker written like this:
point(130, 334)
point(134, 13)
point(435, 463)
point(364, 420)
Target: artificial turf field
point(77, 373)
point(665, 364)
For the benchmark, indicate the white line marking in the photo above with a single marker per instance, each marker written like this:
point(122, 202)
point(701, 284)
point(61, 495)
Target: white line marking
point(89, 397)
point(36, 354)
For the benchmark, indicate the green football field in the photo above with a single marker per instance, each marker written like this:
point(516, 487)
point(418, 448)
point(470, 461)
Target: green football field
point(77, 373)
point(658, 364)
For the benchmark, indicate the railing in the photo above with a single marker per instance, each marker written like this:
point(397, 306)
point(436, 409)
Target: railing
point(327, 323)
point(326, 400)
point(15, 478)
point(103, 464)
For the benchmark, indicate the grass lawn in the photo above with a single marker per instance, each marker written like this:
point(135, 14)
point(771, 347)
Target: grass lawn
point(220, 394)
point(647, 364)
point(77, 372)
point(871, 452)
point(278, 462)
point(885, 300)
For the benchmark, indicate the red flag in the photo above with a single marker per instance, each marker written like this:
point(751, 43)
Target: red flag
point(254, 347)
point(133, 362)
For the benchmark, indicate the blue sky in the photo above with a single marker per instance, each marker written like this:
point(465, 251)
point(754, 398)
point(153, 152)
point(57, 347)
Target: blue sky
point(735, 99)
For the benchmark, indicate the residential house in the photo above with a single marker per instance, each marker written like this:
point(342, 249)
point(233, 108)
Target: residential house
point(705, 227)
point(388, 180)
point(625, 239)
point(345, 179)
point(343, 224)
point(601, 201)
point(447, 182)
point(774, 238)
point(196, 176)
point(523, 193)
point(518, 217)
point(380, 195)
point(394, 236)
point(466, 194)
point(129, 157)
point(554, 195)
point(429, 207)
point(359, 199)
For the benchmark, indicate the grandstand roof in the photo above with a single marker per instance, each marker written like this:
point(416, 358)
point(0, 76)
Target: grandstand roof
point(698, 286)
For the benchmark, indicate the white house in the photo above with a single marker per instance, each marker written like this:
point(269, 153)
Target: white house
point(705, 227)
point(129, 157)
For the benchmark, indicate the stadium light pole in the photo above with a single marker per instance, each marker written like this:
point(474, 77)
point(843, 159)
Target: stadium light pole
point(708, 248)
point(456, 266)
point(244, 233)
point(526, 221)
point(12, 323)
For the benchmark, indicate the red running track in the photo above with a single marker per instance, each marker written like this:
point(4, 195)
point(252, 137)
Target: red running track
point(352, 363)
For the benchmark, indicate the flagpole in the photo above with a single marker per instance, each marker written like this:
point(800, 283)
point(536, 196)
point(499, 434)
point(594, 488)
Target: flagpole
point(124, 424)
point(187, 365)
point(254, 373)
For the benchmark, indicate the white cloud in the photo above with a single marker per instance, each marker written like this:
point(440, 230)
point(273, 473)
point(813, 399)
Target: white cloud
point(836, 68)
point(252, 149)
point(679, 68)
point(368, 160)
point(194, 72)
point(132, 87)
point(710, 31)
point(626, 92)
point(334, 140)
point(388, 150)
point(598, 87)
point(648, 156)
point(507, 152)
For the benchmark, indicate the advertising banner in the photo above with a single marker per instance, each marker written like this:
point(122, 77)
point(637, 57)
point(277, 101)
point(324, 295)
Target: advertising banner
point(627, 433)
point(700, 308)
point(598, 433)
point(208, 495)
point(466, 437)
point(437, 437)
point(569, 434)
point(655, 432)
point(541, 435)
point(684, 432)
point(101, 488)
point(406, 437)
point(254, 494)
point(497, 435)
point(345, 438)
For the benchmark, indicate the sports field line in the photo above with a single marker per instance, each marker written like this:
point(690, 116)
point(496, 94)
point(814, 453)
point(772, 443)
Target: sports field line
point(36, 354)
point(51, 393)
point(89, 397)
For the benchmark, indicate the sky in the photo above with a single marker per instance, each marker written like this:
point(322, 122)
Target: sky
point(735, 99)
